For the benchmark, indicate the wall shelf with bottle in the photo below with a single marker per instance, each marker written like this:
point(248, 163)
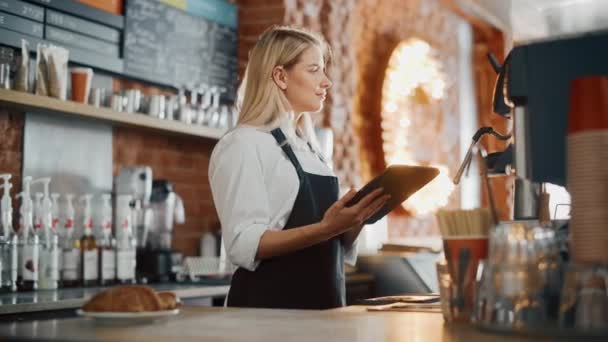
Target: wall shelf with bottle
point(29, 102)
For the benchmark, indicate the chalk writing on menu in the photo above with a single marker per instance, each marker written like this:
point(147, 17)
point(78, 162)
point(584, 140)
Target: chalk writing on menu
point(168, 46)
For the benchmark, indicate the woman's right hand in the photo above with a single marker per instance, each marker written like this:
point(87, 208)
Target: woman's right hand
point(339, 218)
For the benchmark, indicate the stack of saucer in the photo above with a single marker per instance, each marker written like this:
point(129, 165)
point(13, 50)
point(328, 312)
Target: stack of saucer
point(588, 169)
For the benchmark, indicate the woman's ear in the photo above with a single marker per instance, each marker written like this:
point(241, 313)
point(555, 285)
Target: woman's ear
point(279, 76)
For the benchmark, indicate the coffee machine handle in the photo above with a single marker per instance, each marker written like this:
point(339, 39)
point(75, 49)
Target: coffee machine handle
point(500, 104)
point(179, 213)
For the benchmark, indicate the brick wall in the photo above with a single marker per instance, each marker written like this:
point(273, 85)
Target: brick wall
point(363, 35)
point(184, 162)
point(382, 28)
point(255, 16)
point(11, 147)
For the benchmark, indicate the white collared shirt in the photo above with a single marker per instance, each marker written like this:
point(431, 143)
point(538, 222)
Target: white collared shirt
point(254, 187)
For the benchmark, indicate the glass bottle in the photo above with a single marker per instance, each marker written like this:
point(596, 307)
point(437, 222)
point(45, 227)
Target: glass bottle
point(126, 243)
point(28, 243)
point(88, 247)
point(70, 245)
point(49, 248)
point(8, 242)
point(107, 245)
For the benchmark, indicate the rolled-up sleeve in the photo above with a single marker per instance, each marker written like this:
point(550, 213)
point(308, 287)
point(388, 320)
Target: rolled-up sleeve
point(241, 201)
point(350, 253)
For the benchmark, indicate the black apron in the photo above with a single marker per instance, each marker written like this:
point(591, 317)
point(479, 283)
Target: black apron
point(311, 278)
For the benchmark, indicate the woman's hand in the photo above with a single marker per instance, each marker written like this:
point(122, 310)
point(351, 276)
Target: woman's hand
point(339, 218)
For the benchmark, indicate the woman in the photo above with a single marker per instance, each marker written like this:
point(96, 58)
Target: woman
point(277, 200)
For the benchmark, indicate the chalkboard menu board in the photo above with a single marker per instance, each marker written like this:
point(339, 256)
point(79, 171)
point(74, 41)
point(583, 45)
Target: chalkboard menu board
point(166, 45)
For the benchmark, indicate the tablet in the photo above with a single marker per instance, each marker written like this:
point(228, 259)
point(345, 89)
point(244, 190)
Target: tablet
point(399, 181)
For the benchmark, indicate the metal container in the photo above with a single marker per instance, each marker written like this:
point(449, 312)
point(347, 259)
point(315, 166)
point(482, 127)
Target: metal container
point(117, 103)
point(5, 76)
point(170, 107)
point(133, 100)
point(156, 107)
point(97, 97)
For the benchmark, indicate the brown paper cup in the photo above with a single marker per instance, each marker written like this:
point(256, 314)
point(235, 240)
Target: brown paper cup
point(81, 84)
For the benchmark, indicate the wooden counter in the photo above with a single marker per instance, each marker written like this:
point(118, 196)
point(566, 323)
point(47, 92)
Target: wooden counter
point(231, 324)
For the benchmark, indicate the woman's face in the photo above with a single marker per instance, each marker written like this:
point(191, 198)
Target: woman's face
point(306, 83)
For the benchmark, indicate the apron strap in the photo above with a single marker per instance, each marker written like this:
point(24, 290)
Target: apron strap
point(315, 153)
point(278, 135)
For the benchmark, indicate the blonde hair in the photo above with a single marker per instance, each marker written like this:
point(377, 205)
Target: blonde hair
point(260, 101)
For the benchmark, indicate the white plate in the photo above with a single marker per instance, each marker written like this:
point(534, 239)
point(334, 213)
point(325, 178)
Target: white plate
point(127, 317)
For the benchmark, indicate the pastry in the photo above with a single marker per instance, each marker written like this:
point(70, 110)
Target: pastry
point(169, 300)
point(131, 298)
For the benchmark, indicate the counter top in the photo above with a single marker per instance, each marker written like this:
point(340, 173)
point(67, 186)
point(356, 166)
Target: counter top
point(45, 300)
point(233, 324)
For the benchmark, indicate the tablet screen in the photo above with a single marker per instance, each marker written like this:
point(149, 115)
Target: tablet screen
point(399, 181)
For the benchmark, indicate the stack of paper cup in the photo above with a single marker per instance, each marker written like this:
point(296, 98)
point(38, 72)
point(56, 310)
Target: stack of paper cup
point(588, 169)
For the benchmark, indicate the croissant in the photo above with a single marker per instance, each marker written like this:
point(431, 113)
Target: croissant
point(169, 300)
point(131, 298)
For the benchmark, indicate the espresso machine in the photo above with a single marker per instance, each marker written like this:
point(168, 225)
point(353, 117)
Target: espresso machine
point(136, 181)
point(156, 260)
point(533, 88)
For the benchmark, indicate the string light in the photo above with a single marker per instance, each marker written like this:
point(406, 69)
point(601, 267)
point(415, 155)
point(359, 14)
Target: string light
point(414, 77)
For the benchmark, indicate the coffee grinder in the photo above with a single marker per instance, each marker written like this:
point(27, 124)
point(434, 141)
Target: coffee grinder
point(136, 181)
point(156, 260)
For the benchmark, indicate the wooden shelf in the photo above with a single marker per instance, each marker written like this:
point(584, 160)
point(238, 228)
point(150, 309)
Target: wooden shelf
point(35, 103)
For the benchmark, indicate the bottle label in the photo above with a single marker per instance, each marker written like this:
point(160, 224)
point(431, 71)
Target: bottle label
point(125, 262)
point(108, 264)
point(29, 265)
point(71, 264)
point(69, 223)
point(49, 264)
point(106, 225)
point(88, 227)
point(89, 265)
